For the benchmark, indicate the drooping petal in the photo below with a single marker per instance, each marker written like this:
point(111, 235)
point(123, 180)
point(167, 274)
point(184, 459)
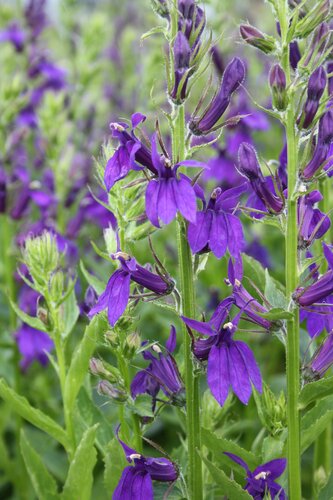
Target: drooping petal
point(134, 484)
point(239, 376)
point(166, 204)
point(218, 372)
point(155, 155)
point(201, 347)
point(102, 301)
point(229, 199)
point(250, 363)
point(235, 235)
point(143, 382)
point(199, 326)
point(117, 167)
point(220, 314)
point(137, 118)
point(328, 255)
point(118, 296)
point(152, 193)
point(185, 198)
point(198, 233)
point(172, 340)
point(218, 240)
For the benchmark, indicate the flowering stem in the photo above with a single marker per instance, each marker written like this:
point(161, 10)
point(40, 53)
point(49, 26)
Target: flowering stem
point(188, 309)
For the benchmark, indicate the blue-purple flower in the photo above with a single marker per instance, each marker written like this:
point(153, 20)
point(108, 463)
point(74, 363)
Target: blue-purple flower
point(313, 223)
point(136, 482)
point(323, 146)
point(217, 228)
point(230, 363)
point(161, 374)
point(131, 153)
point(261, 481)
point(321, 361)
point(316, 86)
point(117, 291)
point(167, 193)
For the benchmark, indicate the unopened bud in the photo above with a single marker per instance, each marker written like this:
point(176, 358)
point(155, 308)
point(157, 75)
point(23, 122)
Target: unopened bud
point(256, 38)
point(277, 82)
point(105, 388)
point(312, 19)
point(43, 315)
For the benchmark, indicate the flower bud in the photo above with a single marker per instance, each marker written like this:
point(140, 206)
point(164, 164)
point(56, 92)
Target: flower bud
point(318, 43)
point(277, 82)
point(57, 285)
point(161, 8)
point(325, 137)
point(330, 78)
point(41, 257)
point(272, 411)
point(256, 38)
point(181, 54)
point(43, 315)
point(294, 54)
point(3, 190)
point(105, 388)
point(312, 19)
point(233, 77)
point(133, 343)
point(316, 87)
point(96, 367)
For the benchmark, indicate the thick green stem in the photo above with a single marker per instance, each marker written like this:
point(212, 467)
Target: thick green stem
point(292, 354)
point(188, 309)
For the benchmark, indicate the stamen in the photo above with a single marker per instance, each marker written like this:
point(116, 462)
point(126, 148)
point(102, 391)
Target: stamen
point(135, 455)
point(117, 126)
point(123, 255)
point(156, 348)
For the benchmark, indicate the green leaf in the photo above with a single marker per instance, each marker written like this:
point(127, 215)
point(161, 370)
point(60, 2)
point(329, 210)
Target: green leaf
point(115, 462)
point(326, 492)
point(219, 445)
point(142, 406)
point(29, 320)
point(276, 314)
point(33, 415)
point(229, 487)
point(254, 270)
point(272, 447)
point(153, 31)
point(97, 284)
point(315, 390)
point(79, 480)
point(44, 484)
point(315, 421)
point(90, 414)
point(70, 313)
point(80, 362)
point(273, 294)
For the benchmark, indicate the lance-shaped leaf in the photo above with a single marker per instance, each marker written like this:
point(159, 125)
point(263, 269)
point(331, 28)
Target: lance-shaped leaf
point(97, 284)
point(315, 390)
point(315, 421)
point(29, 320)
point(36, 417)
point(44, 484)
point(79, 480)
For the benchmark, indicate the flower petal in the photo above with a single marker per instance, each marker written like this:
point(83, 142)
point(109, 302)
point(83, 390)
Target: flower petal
point(235, 235)
point(118, 296)
point(274, 467)
point(239, 376)
point(166, 204)
point(152, 192)
point(238, 460)
point(199, 326)
point(185, 198)
point(250, 363)
point(218, 376)
point(137, 118)
point(172, 340)
point(135, 484)
point(198, 233)
point(218, 240)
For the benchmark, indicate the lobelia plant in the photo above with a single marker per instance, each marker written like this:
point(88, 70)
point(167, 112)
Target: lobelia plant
point(236, 400)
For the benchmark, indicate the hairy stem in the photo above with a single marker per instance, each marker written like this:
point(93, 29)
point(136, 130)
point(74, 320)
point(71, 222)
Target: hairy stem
point(188, 309)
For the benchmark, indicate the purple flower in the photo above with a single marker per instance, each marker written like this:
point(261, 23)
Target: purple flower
point(256, 250)
point(35, 17)
point(313, 223)
point(294, 54)
point(166, 194)
point(230, 363)
point(136, 480)
point(233, 77)
point(216, 227)
point(3, 190)
point(33, 346)
point(316, 86)
point(321, 361)
point(248, 166)
point(15, 35)
point(117, 291)
point(321, 288)
point(323, 147)
point(261, 482)
point(278, 83)
point(181, 56)
point(161, 373)
point(130, 151)
point(319, 318)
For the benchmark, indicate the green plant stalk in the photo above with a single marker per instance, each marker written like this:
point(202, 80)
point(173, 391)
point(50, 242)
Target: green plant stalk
point(188, 309)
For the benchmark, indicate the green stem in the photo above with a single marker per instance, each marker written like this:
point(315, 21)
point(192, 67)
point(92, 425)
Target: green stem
point(188, 309)
point(8, 265)
point(292, 354)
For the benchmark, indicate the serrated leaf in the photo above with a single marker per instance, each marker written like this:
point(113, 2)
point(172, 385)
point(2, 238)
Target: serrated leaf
point(44, 484)
point(229, 487)
point(315, 390)
point(21, 406)
point(29, 320)
point(79, 480)
point(315, 421)
point(273, 294)
point(219, 445)
point(97, 284)
point(142, 406)
point(272, 447)
point(80, 361)
point(115, 463)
